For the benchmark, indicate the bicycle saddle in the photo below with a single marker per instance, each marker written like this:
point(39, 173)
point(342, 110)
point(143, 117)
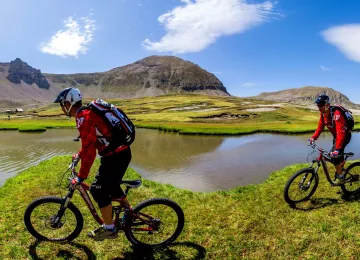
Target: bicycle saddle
point(131, 184)
point(349, 154)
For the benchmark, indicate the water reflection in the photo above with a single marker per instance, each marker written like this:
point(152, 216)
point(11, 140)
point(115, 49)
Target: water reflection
point(19, 151)
point(236, 161)
point(157, 150)
point(199, 163)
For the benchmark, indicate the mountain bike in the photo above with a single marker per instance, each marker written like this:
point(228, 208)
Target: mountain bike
point(302, 185)
point(153, 223)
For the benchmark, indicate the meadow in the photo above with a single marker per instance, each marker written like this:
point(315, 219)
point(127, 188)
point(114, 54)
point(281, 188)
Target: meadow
point(189, 114)
point(251, 222)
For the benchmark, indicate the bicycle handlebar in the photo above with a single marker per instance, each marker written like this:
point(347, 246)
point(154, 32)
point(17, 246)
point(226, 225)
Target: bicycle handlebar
point(321, 150)
point(71, 167)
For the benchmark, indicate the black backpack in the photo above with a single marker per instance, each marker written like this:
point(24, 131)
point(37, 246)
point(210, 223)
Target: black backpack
point(123, 130)
point(347, 114)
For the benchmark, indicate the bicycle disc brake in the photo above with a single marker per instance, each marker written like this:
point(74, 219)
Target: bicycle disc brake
point(54, 222)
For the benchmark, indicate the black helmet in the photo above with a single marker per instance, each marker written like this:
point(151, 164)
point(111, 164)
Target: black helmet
point(322, 100)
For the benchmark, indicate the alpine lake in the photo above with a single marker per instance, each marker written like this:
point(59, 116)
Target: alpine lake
point(193, 162)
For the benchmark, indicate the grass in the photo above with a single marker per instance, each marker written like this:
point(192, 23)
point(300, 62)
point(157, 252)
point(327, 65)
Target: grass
point(36, 124)
point(191, 114)
point(251, 222)
point(230, 129)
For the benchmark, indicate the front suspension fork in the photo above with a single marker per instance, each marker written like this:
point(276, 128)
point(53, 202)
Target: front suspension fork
point(62, 209)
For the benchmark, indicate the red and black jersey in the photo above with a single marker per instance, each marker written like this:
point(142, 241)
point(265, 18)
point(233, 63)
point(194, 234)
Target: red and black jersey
point(336, 123)
point(95, 134)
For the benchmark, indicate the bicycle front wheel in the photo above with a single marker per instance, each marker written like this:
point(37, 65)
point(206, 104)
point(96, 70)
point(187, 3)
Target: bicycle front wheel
point(41, 220)
point(352, 183)
point(301, 186)
point(154, 223)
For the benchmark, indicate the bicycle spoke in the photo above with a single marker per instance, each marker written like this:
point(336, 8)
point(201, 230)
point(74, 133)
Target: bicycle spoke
point(352, 183)
point(42, 219)
point(301, 186)
point(158, 223)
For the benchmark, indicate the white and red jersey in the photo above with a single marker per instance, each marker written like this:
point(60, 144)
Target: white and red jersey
point(95, 134)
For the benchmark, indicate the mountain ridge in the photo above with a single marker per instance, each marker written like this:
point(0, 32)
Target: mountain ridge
point(306, 96)
point(151, 76)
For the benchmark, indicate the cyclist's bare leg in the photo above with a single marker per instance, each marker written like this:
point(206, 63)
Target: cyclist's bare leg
point(339, 168)
point(104, 232)
point(106, 213)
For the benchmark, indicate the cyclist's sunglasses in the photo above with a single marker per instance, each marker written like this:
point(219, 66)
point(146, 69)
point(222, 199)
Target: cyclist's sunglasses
point(320, 105)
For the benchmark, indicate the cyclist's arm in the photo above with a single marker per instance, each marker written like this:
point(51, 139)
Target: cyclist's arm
point(88, 142)
point(340, 126)
point(319, 129)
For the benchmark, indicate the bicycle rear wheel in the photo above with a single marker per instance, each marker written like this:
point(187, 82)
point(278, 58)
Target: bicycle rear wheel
point(40, 217)
point(352, 183)
point(154, 223)
point(301, 186)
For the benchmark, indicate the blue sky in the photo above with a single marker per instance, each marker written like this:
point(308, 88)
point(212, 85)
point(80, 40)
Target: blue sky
point(251, 46)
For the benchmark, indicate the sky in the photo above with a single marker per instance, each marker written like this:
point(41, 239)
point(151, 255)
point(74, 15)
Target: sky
point(251, 46)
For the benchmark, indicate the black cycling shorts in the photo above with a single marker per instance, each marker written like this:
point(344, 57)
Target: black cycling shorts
point(111, 171)
point(340, 159)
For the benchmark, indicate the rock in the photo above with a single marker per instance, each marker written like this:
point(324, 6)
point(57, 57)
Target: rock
point(19, 70)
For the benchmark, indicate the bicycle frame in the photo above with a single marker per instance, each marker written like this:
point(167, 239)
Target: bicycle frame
point(83, 190)
point(321, 160)
point(123, 205)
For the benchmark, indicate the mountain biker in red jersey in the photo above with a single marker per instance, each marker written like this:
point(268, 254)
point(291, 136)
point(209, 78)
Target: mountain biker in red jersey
point(335, 121)
point(95, 135)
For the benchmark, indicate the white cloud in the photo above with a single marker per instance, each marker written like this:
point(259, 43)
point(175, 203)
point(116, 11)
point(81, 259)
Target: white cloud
point(323, 68)
point(346, 38)
point(248, 84)
point(193, 27)
point(73, 40)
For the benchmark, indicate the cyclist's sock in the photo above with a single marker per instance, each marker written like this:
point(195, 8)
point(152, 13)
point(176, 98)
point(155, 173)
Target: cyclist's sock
point(110, 227)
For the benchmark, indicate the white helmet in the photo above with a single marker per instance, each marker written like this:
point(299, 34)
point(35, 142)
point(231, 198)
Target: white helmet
point(72, 95)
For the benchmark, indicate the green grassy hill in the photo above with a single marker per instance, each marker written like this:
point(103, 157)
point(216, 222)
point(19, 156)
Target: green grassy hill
point(197, 114)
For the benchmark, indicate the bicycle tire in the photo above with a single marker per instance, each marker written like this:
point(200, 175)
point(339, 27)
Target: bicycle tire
point(141, 207)
point(346, 187)
point(47, 200)
point(314, 181)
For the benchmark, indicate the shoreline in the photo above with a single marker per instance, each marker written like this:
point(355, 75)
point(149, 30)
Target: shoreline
point(188, 129)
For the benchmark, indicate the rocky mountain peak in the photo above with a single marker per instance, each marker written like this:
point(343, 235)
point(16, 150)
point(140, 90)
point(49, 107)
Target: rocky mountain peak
point(163, 61)
point(168, 73)
point(20, 71)
point(17, 61)
point(306, 96)
point(150, 76)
